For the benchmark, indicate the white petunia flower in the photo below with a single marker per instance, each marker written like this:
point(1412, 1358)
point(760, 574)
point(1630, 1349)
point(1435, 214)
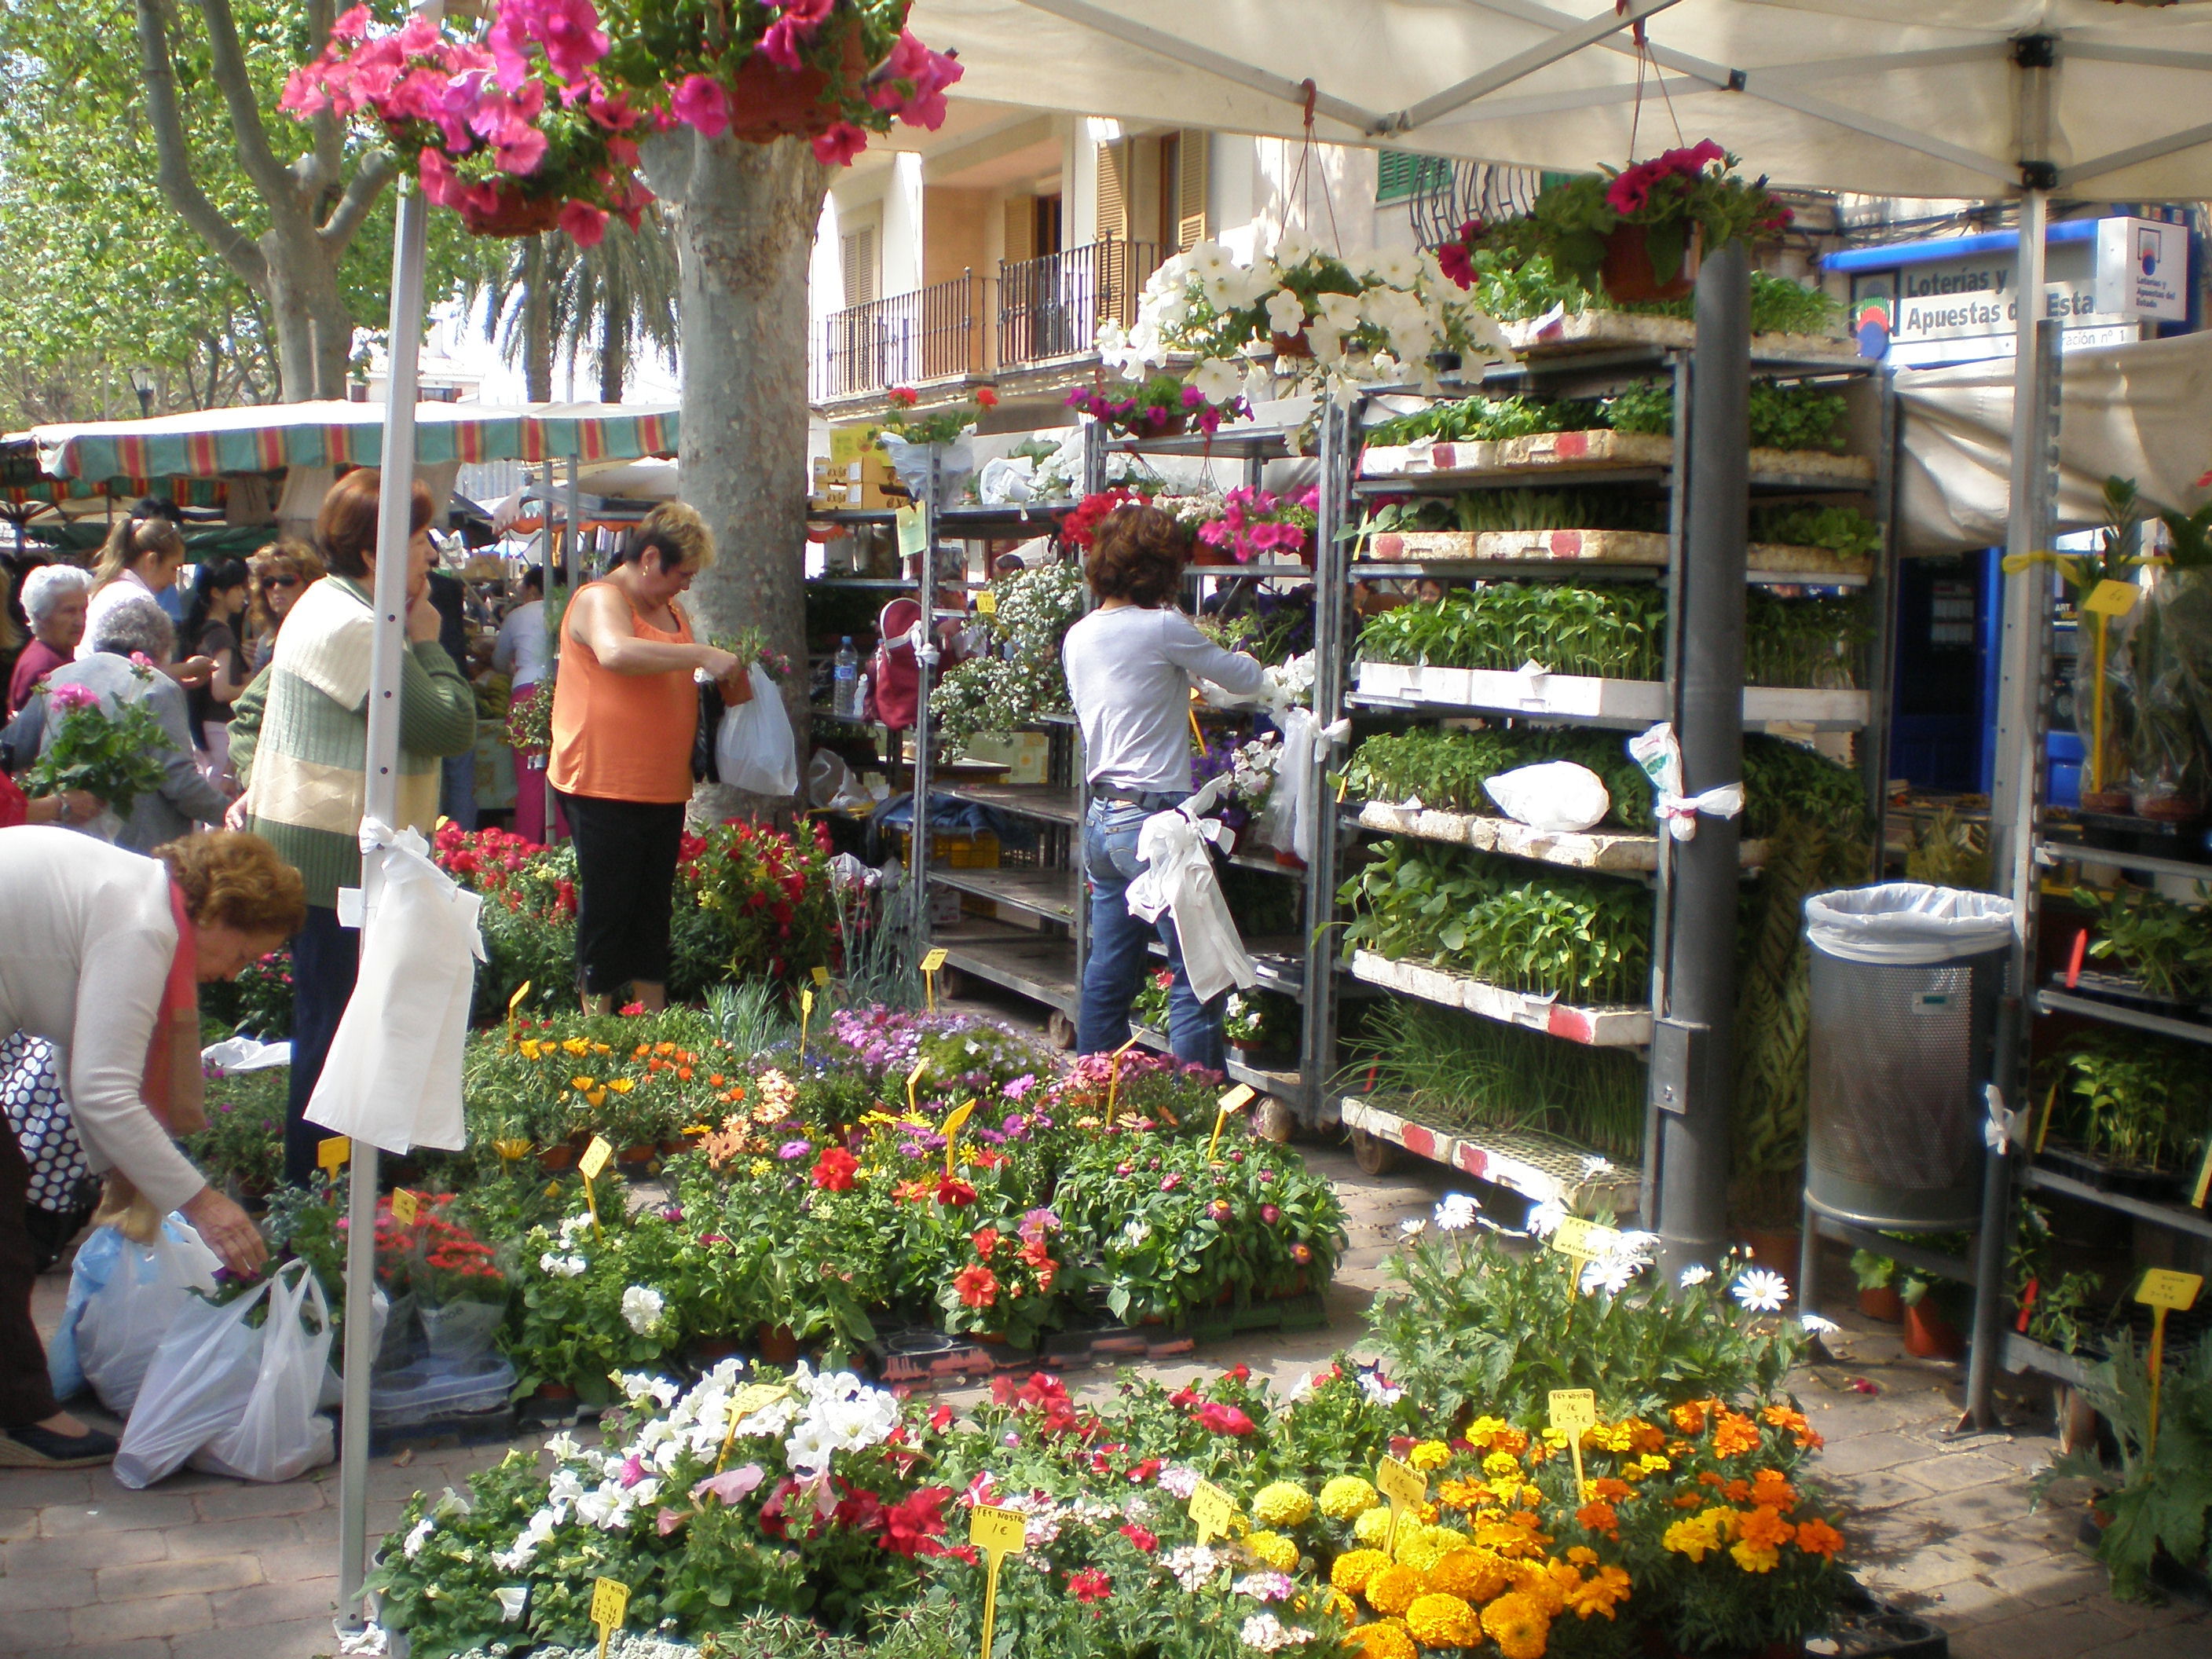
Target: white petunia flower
point(1696, 1273)
point(511, 1601)
point(1339, 311)
point(1457, 1212)
point(562, 1267)
point(641, 1308)
point(1761, 1290)
point(417, 1535)
point(1286, 313)
point(1377, 1390)
point(1193, 1563)
point(1216, 380)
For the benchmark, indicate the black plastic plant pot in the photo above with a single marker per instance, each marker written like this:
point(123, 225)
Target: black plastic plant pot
point(2111, 1175)
point(2127, 993)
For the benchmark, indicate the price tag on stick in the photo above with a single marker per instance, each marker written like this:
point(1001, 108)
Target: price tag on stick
point(930, 965)
point(1407, 1488)
point(912, 1078)
point(514, 1006)
point(2163, 1292)
point(1235, 1101)
point(995, 1531)
point(987, 604)
point(332, 1154)
point(821, 978)
point(1113, 1078)
point(2203, 1181)
point(805, 1014)
point(1574, 1413)
point(1213, 1512)
point(953, 1121)
point(609, 1601)
point(404, 1207)
point(1584, 1241)
point(589, 1166)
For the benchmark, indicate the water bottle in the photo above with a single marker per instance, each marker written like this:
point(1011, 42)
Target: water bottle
point(845, 699)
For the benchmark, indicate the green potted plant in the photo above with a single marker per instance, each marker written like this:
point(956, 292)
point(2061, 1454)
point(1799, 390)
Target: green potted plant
point(1879, 1296)
point(2138, 1113)
point(2167, 948)
point(1934, 1310)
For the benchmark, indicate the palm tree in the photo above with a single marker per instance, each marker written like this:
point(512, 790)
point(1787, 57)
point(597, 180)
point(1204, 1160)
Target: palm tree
point(547, 295)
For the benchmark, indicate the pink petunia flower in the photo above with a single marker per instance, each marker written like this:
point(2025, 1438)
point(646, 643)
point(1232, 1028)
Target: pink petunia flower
point(837, 147)
point(700, 102)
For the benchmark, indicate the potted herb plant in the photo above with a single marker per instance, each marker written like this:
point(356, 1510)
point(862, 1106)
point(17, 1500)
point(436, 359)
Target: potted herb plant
point(1879, 1296)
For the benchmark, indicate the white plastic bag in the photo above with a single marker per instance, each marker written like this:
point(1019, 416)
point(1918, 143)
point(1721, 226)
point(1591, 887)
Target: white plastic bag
point(280, 1434)
point(1907, 924)
point(1558, 796)
point(131, 1293)
point(754, 749)
point(195, 1390)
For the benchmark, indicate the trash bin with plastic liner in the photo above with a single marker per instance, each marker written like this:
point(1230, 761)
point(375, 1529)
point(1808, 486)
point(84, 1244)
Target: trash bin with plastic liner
point(1906, 980)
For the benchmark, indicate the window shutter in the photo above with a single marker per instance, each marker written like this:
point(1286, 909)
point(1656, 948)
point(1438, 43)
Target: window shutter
point(1191, 153)
point(1113, 193)
point(1021, 229)
point(857, 255)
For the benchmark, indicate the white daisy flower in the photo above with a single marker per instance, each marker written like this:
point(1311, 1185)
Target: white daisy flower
point(1816, 1326)
point(1696, 1273)
point(1457, 1212)
point(1761, 1290)
point(1544, 1220)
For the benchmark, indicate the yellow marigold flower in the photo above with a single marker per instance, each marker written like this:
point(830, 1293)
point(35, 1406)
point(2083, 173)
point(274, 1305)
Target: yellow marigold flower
point(1533, 1580)
point(1532, 1496)
point(1483, 1427)
point(1278, 1551)
point(1752, 1558)
point(1337, 1604)
point(1600, 1594)
point(1518, 1625)
point(1347, 1495)
point(1355, 1567)
point(1373, 1526)
point(1652, 1463)
point(1393, 1588)
point(623, 1086)
point(1430, 1455)
point(1382, 1642)
point(1695, 1537)
point(1436, 1621)
point(1416, 1548)
point(579, 1082)
point(1283, 1504)
point(1501, 1466)
point(1473, 1575)
point(1448, 1537)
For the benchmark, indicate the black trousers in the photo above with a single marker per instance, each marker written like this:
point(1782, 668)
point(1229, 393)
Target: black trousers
point(326, 961)
point(625, 889)
point(26, 1396)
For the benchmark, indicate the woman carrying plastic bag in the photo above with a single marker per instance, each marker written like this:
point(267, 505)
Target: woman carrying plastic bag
point(123, 1295)
point(235, 1398)
point(754, 749)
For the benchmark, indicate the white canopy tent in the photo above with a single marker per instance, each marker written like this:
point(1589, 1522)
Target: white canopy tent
point(1949, 98)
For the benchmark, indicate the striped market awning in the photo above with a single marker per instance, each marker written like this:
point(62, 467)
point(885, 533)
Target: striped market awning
point(263, 438)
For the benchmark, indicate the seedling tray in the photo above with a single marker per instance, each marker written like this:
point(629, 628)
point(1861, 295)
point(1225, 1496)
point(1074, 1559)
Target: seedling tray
point(1541, 1167)
point(1538, 693)
point(1642, 549)
point(1598, 1025)
point(2129, 1181)
point(1614, 852)
point(2157, 838)
point(2126, 993)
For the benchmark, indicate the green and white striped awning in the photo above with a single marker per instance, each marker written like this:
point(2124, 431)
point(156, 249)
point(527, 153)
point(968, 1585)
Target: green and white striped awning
point(264, 438)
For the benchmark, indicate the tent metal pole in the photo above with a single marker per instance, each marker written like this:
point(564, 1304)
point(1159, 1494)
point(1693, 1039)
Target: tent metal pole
point(381, 802)
point(1570, 41)
point(575, 524)
point(1692, 1065)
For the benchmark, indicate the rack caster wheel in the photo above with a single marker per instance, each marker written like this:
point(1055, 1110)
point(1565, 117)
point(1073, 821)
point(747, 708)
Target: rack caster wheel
point(1059, 1031)
point(1272, 1120)
point(951, 983)
point(1374, 1155)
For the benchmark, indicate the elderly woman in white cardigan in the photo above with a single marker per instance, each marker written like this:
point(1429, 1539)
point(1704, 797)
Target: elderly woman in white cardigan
point(137, 627)
point(104, 952)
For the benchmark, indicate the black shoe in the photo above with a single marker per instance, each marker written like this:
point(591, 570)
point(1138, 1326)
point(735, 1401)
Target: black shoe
point(31, 1447)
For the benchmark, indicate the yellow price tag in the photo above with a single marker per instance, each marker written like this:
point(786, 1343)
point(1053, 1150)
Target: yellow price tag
point(933, 961)
point(332, 1153)
point(514, 1002)
point(912, 1078)
point(743, 1404)
point(1235, 1101)
point(2164, 1288)
point(595, 1159)
point(1213, 1512)
point(2111, 598)
point(987, 604)
point(953, 1121)
point(1407, 1488)
point(995, 1531)
point(806, 1015)
point(1114, 1079)
point(2203, 1181)
point(609, 1601)
point(820, 978)
point(1574, 1413)
point(930, 964)
point(405, 1206)
point(1585, 1241)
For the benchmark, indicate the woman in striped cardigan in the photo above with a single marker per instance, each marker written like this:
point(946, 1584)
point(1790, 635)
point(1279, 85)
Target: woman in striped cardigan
point(300, 745)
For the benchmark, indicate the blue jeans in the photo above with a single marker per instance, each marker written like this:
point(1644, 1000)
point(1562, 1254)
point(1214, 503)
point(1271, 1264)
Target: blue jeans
point(457, 792)
point(1120, 956)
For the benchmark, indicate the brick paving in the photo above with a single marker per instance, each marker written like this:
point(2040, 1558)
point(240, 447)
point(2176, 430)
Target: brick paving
point(206, 1568)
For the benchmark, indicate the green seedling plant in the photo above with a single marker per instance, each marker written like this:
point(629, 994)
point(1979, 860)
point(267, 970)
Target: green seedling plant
point(2166, 947)
point(2138, 1101)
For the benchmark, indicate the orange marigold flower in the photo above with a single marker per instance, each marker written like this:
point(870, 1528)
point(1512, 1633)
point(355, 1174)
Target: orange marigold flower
point(1737, 1492)
point(1610, 1490)
point(1764, 1529)
point(1437, 1620)
point(1644, 1437)
point(1599, 1594)
point(1393, 1588)
point(1581, 1555)
point(1600, 1517)
point(1382, 1642)
point(1473, 1575)
point(1772, 1488)
point(1733, 1434)
point(1690, 1416)
point(1519, 1626)
point(1531, 1579)
point(1461, 1493)
point(1817, 1537)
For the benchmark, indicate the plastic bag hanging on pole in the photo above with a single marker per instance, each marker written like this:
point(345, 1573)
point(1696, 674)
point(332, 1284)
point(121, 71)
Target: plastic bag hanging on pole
point(1292, 817)
point(1177, 880)
point(911, 462)
point(394, 1077)
point(1659, 753)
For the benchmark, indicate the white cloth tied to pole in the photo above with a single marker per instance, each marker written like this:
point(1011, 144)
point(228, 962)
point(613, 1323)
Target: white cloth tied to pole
point(1658, 752)
point(1293, 814)
point(1177, 880)
point(394, 1077)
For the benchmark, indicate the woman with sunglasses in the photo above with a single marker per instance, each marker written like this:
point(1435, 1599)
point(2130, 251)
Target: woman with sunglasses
point(281, 572)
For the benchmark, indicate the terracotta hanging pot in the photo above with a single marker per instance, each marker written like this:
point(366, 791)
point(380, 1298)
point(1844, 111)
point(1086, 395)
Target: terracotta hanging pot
point(1141, 425)
point(555, 1158)
point(515, 215)
point(768, 102)
point(1628, 273)
point(1293, 345)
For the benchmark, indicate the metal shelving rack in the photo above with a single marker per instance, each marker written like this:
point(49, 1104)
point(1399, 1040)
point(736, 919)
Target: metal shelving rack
point(1541, 1167)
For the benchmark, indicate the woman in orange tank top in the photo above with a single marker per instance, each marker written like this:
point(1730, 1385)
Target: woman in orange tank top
point(624, 713)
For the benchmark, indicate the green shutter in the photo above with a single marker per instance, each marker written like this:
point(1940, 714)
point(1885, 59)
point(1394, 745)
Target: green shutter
point(1400, 175)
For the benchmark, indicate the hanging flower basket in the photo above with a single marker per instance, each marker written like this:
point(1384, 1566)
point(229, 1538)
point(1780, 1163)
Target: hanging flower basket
point(1299, 345)
point(1627, 272)
point(768, 102)
point(516, 215)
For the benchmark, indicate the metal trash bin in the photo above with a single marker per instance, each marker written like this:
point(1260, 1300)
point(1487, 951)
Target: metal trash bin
point(1906, 980)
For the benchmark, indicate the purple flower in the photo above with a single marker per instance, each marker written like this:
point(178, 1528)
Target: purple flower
point(1020, 1086)
point(1169, 1183)
point(1270, 1214)
point(793, 1149)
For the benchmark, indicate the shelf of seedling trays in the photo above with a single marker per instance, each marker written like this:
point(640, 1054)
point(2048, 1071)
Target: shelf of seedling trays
point(1578, 355)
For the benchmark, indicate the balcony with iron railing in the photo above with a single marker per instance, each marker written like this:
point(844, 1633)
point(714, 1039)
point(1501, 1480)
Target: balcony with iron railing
point(1047, 309)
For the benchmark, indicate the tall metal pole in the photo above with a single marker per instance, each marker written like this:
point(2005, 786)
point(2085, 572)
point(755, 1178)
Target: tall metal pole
point(1700, 1015)
point(381, 802)
point(925, 665)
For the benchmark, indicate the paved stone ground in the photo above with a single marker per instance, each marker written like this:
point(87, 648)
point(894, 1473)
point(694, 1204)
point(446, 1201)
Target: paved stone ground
point(204, 1568)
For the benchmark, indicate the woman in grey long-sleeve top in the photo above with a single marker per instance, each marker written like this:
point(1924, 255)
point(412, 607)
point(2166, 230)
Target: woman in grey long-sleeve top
point(186, 797)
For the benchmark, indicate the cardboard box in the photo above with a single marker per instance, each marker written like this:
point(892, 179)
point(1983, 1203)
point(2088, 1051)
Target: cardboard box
point(1025, 754)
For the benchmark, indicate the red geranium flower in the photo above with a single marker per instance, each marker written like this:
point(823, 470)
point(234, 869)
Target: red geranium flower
point(1224, 1419)
point(833, 1170)
point(1144, 1540)
point(905, 396)
point(913, 1526)
point(1089, 1585)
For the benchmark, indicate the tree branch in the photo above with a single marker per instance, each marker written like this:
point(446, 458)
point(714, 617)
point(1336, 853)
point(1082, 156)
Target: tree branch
point(323, 164)
point(271, 176)
point(174, 161)
point(353, 207)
